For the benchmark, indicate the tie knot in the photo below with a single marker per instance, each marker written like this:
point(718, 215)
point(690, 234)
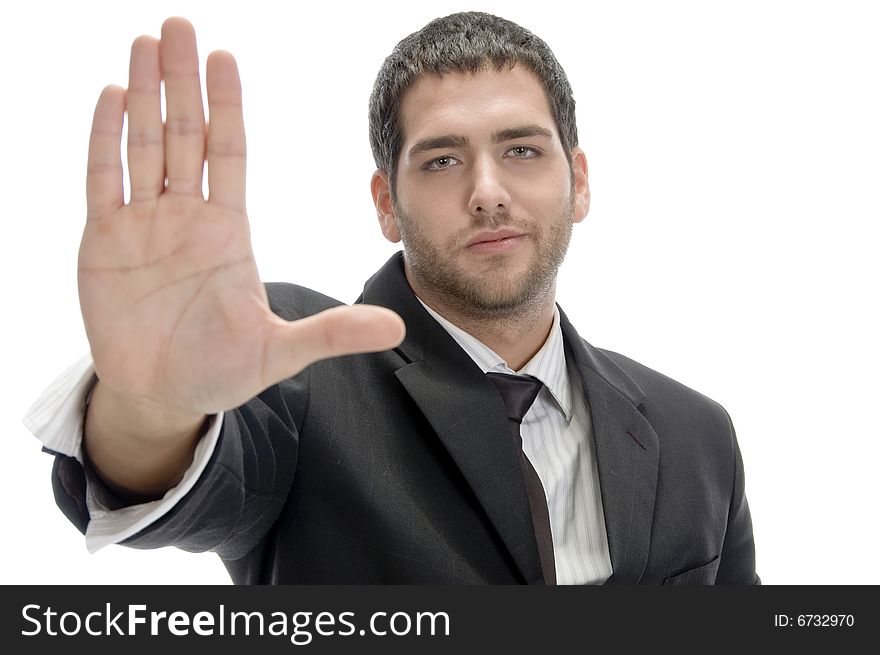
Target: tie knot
point(517, 391)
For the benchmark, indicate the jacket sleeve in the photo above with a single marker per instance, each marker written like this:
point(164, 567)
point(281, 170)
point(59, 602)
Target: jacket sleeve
point(737, 565)
point(245, 485)
point(236, 498)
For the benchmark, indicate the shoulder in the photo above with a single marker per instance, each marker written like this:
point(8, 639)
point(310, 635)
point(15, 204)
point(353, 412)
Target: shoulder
point(673, 406)
point(291, 301)
point(656, 384)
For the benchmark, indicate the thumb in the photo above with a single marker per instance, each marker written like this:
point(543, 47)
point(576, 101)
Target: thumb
point(334, 332)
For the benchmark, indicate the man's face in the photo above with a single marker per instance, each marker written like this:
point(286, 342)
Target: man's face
point(486, 195)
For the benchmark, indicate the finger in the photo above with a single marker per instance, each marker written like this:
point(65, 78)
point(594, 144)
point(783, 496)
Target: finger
point(226, 141)
point(185, 117)
point(104, 193)
point(332, 333)
point(146, 163)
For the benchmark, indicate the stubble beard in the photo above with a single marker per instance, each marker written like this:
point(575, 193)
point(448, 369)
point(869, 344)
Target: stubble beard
point(502, 289)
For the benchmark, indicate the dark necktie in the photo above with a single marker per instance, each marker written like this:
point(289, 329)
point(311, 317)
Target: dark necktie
point(518, 393)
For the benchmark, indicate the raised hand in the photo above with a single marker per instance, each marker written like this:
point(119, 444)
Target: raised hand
point(173, 306)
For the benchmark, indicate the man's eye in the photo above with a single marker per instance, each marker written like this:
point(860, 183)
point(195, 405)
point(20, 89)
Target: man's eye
point(440, 163)
point(523, 152)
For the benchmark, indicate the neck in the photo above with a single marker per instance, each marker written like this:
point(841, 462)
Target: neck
point(514, 333)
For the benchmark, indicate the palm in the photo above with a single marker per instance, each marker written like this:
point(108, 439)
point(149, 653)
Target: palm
point(171, 298)
point(169, 304)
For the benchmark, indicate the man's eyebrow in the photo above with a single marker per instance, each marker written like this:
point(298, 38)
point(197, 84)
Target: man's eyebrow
point(437, 143)
point(521, 132)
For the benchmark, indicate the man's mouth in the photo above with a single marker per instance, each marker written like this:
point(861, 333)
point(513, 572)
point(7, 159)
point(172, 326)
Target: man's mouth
point(498, 242)
point(494, 237)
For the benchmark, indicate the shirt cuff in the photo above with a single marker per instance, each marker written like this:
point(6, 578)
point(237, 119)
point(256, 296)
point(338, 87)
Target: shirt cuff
point(56, 419)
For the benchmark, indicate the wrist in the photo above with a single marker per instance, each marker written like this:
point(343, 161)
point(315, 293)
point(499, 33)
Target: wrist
point(140, 418)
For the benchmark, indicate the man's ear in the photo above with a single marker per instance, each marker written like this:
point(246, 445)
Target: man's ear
point(381, 190)
point(581, 184)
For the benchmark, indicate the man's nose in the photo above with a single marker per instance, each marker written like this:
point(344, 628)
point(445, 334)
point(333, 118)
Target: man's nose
point(489, 194)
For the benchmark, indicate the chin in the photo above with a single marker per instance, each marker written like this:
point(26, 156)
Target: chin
point(504, 296)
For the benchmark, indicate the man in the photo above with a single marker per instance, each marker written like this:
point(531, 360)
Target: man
point(307, 442)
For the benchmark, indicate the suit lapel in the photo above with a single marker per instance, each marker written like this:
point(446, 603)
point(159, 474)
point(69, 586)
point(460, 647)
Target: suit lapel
point(465, 411)
point(627, 453)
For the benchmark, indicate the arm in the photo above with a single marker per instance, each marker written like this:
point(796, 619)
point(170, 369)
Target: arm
point(233, 490)
point(737, 564)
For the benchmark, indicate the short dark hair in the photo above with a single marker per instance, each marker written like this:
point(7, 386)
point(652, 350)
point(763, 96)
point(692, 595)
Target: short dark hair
point(466, 42)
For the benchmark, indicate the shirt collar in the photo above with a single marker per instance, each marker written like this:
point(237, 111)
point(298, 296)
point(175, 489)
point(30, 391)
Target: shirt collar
point(548, 364)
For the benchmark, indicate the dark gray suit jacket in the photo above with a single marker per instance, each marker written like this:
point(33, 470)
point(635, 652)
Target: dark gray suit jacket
point(397, 467)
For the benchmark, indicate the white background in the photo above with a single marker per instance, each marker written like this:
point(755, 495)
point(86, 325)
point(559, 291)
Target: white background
point(734, 153)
